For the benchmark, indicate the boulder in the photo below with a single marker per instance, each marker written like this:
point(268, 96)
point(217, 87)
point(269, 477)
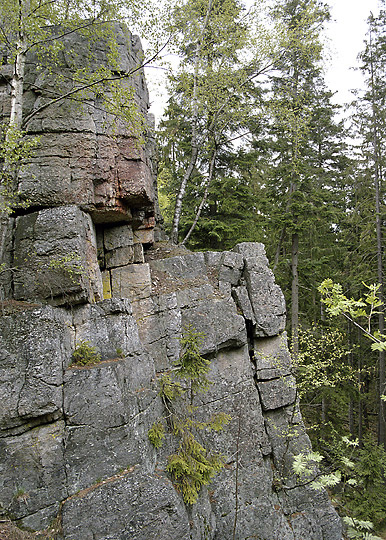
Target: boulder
point(56, 257)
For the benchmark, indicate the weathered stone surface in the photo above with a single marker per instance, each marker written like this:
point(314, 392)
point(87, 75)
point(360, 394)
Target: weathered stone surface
point(108, 432)
point(86, 156)
point(277, 393)
point(216, 318)
point(159, 322)
point(34, 346)
point(138, 253)
point(55, 251)
point(185, 267)
point(120, 257)
point(109, 326)
point(117, 237)
point(231, 266)
point(266, 297)
point(240, 294)
point(135, 506)
point(272, 357)
point(144, 236)
point(6, 277)
point(131, 281)
point(32, 475)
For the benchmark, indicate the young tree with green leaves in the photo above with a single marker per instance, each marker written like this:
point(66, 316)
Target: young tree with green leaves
point(223, 49)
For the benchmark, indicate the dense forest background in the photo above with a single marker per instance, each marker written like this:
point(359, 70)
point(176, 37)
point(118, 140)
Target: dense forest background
point(252, 148)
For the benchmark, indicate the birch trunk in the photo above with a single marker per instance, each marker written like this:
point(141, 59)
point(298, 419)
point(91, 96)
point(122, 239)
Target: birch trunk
point(203, 200)
point(15, 119)
point(194, 141)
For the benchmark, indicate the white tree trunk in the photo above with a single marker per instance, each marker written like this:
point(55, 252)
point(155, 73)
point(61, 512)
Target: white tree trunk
point(194, 142)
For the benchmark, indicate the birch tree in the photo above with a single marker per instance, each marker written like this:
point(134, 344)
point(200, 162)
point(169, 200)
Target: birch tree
point(223, 49)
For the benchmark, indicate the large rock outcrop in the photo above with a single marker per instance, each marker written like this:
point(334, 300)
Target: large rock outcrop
point(75, 457)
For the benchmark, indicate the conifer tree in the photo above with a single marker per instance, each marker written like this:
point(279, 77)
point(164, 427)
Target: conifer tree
point(223, 49)
point(370, 121)
point(303, 175)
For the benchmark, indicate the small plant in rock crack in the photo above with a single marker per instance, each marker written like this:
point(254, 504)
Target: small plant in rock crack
point(85, 354)
point(120, 353)
point(193, 465)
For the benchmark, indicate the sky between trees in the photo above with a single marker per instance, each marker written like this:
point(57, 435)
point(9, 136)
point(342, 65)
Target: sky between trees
point(344, 37)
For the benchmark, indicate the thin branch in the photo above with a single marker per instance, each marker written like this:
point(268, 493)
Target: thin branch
point(91, 85)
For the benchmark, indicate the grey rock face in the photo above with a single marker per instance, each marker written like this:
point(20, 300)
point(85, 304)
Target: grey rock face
point(35, 343)
point(56, 257)
point(79, 159)
point(93, 463)
point(74, 445)
point(266, 297)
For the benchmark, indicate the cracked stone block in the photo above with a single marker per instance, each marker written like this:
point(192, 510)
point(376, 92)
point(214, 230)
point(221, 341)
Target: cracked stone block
point(107, 425)
point(272, 357)
point(231, 267)
point(145, 236)
point(240, 294)
point(215, 317)
point(32, 474)
point(110, 327)
point(159, 327)
point(265, 295)
point(213, 258)
point(118, 237)
point(139, 256)
point(182, 267)
point(131, 281)
point(34, 345)
point(120, 257)
point(86, 157)
point(136, 505)
point(277, 393)
point(7, 260)
point(56, 254)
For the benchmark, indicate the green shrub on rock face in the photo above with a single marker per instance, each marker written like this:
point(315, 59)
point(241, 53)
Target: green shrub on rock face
point(85, 354)
point(156, 434)
point(192, 465)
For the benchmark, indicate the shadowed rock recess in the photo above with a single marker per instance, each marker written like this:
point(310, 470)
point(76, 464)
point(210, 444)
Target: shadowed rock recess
point(89, 264)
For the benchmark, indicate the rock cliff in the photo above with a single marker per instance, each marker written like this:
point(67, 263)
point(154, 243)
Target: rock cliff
point(75, 457)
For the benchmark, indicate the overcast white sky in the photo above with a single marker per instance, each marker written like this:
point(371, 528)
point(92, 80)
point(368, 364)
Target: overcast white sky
point(345, 34)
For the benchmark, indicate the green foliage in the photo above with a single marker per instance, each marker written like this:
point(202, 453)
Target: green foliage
point(85, 354)
point(359, 529)
point(365, 308)
point(15, 149)
point(322, 361)
point(368, 499)
point(192, 365)
point(193, 465)
point(358, 474)
point(156, 434)
point(120, 352)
